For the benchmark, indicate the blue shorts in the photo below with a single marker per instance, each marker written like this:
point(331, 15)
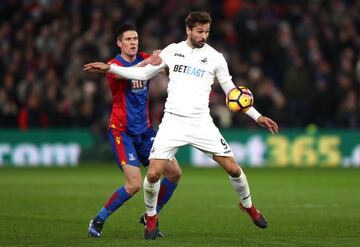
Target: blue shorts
point(131, 149)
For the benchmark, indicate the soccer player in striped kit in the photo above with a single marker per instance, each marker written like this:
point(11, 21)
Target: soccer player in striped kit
point(130, 133)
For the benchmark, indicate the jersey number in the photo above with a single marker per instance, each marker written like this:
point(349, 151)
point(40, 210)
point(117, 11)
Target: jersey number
point(224, 143)
point(135, 84)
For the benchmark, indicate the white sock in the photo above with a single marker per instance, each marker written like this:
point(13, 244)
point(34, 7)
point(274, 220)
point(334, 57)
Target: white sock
point(241, 187)
point(151, 192)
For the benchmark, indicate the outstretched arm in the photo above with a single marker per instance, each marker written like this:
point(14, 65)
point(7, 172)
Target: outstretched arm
point(227, 84)
point(99, 67)
point(263, 121)
point(143, 71)
point(136, 73)
point(268, 123)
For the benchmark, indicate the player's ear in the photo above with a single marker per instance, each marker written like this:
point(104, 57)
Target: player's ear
point(188, 31)
point(119, 44)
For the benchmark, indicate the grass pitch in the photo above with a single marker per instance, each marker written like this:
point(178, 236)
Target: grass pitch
point(304, 207)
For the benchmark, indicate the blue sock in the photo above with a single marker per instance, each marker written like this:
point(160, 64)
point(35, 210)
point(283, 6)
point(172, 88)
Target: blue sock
point(115, 201)
point(166, 190)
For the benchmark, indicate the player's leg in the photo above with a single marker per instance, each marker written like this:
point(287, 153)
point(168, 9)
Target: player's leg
point(117, 199)
point(172, 175)
point(152, 187)
point(240, 184)
point(207, 137)
point(172, 172)
point(166, 143)
point(151, 192)
point(237, 178)
point(132, 185)
point(122, 148)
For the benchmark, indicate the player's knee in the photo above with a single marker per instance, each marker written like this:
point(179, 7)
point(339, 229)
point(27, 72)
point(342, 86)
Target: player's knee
point(234, 170)
point(153, 176)
point(137, 187)
point(173, 171)
point(174, 176)
point(134, 187)
point(177, 175)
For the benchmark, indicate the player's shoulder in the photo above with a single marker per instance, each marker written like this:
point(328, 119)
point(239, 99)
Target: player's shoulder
point(211, 50)
point(144, 55)
point(114, 61)
point(171, 47)
point(177, 46)
point(111, 76)
point(169, 50)
point(214, 55)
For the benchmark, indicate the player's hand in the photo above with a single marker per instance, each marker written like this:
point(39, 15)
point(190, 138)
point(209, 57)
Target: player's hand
point(268, 123)
point(154, 59)
point(97, 67)
point(156, 52)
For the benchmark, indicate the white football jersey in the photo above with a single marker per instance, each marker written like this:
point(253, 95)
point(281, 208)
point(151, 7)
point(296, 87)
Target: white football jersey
point(192, 71)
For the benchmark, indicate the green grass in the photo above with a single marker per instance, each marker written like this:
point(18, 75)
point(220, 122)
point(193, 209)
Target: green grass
point(305, 207)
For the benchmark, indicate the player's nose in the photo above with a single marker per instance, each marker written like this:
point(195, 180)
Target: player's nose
point(204, 36)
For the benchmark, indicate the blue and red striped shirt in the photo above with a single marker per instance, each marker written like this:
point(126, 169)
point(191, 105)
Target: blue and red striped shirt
point(130, 111)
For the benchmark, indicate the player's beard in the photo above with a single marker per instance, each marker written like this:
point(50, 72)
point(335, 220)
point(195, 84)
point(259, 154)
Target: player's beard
point(197, 44)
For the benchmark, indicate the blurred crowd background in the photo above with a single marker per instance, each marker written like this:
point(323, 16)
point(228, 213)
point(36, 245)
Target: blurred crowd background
point(301, 59)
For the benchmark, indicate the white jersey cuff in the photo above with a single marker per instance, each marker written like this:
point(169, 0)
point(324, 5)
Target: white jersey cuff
point(253, 113)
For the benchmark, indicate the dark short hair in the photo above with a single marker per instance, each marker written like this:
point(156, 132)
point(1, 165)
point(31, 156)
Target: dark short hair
point(197, 17)
point(120, 30)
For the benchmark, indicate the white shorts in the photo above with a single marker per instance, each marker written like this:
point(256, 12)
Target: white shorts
point(176, 131)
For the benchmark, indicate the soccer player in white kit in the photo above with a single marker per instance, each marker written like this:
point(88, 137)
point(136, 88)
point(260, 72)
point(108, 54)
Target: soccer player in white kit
point(193, 66)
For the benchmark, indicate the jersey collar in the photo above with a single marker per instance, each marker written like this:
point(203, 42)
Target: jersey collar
point(193, 49)
point(137, 60)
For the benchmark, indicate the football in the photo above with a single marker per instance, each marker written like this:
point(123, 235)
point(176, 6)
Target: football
point(239, 99)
